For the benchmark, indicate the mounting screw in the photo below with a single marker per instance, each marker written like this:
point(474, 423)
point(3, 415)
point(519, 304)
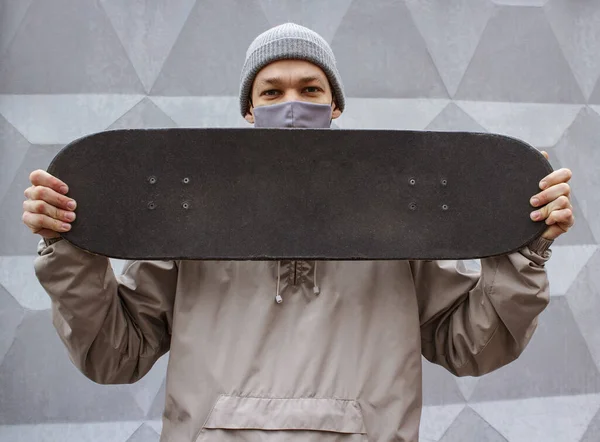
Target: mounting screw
point(185, 205)
point(151, 205)
point(185, 180)
point(152, 179)
point(412, 181)
point(413, 206)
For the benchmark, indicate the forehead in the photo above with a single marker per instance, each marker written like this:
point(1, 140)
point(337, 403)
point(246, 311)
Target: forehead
point(290, 69)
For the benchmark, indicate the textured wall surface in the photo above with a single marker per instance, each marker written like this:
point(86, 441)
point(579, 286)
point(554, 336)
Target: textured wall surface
point(527, 68)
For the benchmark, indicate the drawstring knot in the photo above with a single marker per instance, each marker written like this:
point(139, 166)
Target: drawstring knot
point(316, 289)
point(279, 298)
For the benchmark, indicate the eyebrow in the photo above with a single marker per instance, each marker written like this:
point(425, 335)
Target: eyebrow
point(277, 81)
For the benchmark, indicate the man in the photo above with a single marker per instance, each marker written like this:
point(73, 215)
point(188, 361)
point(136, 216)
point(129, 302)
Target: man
point(338, 356)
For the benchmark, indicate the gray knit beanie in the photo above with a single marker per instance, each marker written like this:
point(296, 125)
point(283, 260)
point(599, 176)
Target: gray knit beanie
point(289, 41)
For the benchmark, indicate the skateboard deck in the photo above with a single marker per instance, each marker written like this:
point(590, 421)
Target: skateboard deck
point(266, 194)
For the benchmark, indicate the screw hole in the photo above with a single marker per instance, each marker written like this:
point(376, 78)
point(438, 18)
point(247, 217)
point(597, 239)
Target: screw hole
point(412, 181)
point(444, 182)
point(151, 205)
point(412, 206)
point(186, 180)
point(185, 205)
point(152, 180)
point(444, 207)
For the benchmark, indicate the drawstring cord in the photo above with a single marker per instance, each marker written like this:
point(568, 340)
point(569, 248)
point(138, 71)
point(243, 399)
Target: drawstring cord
point(279, 298)
point(316, 289)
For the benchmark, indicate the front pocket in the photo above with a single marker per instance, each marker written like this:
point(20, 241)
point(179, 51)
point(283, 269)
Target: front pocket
point(253, 419)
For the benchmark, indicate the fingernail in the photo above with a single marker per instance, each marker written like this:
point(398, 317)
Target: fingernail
point(543, 184)
point(535, 215)
point(535, 201)
point(70, 216)
point(66, 226)
point(71, 205)
point(64, 189)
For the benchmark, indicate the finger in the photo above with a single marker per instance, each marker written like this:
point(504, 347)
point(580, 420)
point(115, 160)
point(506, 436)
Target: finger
point(36, 222)
point(44, 208)
point(558, 176)
point(42, 178)
point(551, 194)
point(563, 217)
point(51, 197)
point(545, 154)
point(553, 232)
point(562, 202)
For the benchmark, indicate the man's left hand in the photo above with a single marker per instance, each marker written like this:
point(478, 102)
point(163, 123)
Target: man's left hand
point(553, 203)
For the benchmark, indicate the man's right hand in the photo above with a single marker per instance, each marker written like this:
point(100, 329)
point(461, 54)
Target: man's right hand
point(47, 211)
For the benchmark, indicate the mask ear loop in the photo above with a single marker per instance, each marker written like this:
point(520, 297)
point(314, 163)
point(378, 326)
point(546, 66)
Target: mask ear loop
point(332, 101)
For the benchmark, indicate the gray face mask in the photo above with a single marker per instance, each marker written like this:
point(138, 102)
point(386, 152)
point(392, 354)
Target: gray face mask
point(293, 114)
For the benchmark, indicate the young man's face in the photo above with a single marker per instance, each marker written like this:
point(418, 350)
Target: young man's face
point(291, 80)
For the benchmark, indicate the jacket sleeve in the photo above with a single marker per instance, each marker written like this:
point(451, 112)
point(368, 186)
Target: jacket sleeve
point(474, 322)
point(114, 327)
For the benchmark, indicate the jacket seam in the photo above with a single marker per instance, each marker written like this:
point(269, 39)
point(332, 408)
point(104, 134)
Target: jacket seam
point(203, 427)
point(272, 398)
point(492, 288)
point(288, 398)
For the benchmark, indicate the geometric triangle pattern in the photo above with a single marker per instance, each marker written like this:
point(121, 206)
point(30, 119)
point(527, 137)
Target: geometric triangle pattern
point(560, 419)
point(74, 432)
point(13, 147)
point(11, 16)
point(326, 22)
point(525, 68)
point(66, 47)
point(466, 385)
point(591, 435)
point(32, 392)
point(556, 343)
point(540, 125)
point(18, 278)
point(578, 147)
point(505, 69)
point(144, 434)
point(207, 57)
point(201, 111)
point(11, 315)
point(452, 31)
point(147, 31)
point(144, 115)
point(436, 420)
point(390, 49)
point(576, 25)
point(453, 118)
point(156, 410)
point(59, 119)
point(470, 426)
point(439, 387)
point(584, 302)
point(565, 265)
point(146, 389)
point(595, 98)
point(390, 113)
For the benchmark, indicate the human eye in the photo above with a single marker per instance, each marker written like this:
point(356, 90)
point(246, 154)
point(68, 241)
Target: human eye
point(312, 89)
point(270, 93)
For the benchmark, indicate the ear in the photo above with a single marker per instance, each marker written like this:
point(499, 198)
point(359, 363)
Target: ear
point(336, 111)
point(250, 115)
